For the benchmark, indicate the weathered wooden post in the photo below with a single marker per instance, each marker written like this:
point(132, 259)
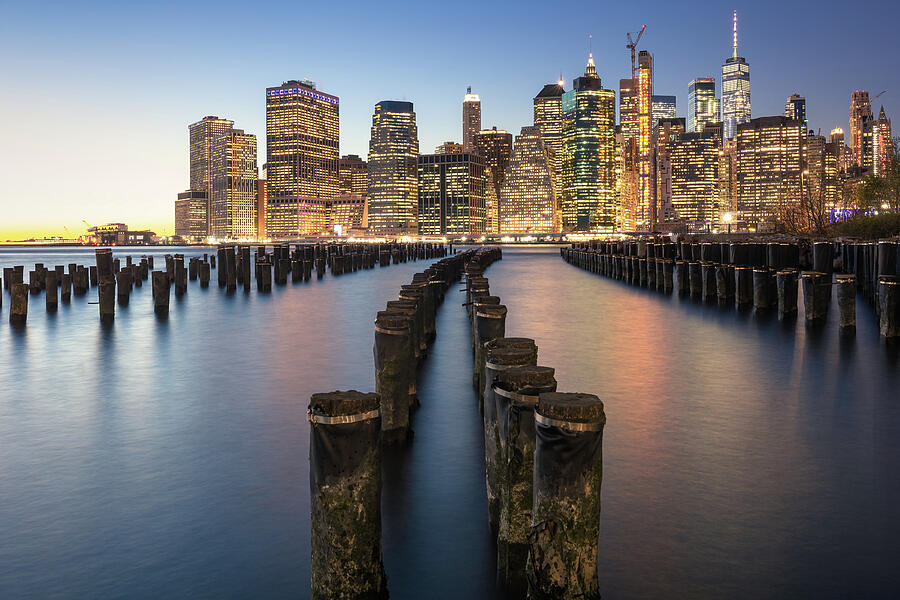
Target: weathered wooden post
point(816, 292)
point(392, 364)
point(743, 285)
point(786, 280)
point(846, 297)
point(724, 283)
point(223, 266)
point(160, 283)
point(823, 257)
point(695, 274)
point(92, 272)
point(681, 276)
point(490, 324)
point(500, 355)
point(65, 290)
point(231, 269)
point(568, 472)
point(516, 392)
point(765, 289)
point(107, 283)
point(204, 274)
point(709, 284)
point(52, 291)
point(345, 497)
point(889, 306)
point(123, 286)
point(18, 303)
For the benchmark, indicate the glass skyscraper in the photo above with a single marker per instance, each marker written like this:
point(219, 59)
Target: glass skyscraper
point(548, 119)
point(451, 193)
point(302, 138)
point(393, 156)
point(202, 133)
point(703, 106)
point(795, 108)
point(495, 145)
point(663, 108)
point(232, 204)
point(588, 149)
point(527, 197)
point(735, 90)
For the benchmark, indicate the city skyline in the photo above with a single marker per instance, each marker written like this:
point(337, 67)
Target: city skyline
point(91, 174)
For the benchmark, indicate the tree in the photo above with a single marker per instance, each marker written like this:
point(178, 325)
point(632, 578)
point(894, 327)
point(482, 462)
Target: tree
point(883, 190)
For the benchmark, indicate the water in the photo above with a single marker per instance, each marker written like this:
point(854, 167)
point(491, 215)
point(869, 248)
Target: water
point(744, 457)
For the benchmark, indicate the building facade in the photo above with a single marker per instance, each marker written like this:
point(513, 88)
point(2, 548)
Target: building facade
point(646, 172)
point(664, 107)
point(588, 148)
point(882, 144)
point(471, 117)
point(694, 172)
point(303, 157)
point(354, 176)
point(548, 119)
point(393, 169)
point(528, 201)
point(861, 142)
point(495, 146)
point(201, 135)
point(795, 108)
point(190, 215)
point(232, 205)
point(449, 148)
point(703, 105)
point(451, 194)
point(769, 168)
point(735, 89)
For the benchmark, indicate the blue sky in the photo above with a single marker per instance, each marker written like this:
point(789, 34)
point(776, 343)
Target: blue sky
point(96, 96)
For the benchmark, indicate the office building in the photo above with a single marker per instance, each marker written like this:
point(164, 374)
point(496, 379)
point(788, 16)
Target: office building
point(471, 119)
point(548, 119)
point(588, 154)
point(735, 89)
point(451, 194)
point(495, 145)
point(769, 168)
point(646, 174)
point(694, 170)
point(795, 108)
point(303, 158)
point(663, 108)
point(347, 212)
point(528, 202)
point(190, 215)
point(703, 105)
point(882, 144)
point(861, 141)
point(201, 136)
point(449, 148)
point(354, 176)
point(393, 167)
point(235, 180)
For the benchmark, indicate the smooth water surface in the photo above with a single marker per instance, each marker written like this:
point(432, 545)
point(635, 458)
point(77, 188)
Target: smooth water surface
point(744, 457)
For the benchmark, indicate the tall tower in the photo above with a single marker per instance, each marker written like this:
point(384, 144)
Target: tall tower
point(735, 89)
point(703, 106)
point(795, 108)
point(528, 196)
point(548, 120)
point(646, 181)
point(302, 137)
point(495, 146)
point(471, 124)
point(393, 156)
point(588, 149)
point(233, 201)
point(202, 133)
point(883, 144)
point(861, 129)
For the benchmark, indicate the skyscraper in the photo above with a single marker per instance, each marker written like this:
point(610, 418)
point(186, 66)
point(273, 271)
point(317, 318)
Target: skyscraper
point(354, 175)
point(735, 89)
point(302, 138)
point(393, 155)
point(451, 193)
point(471, 119)
point(769, 168)
point(232, 204)
point(861, 129)
point(202, 133)
point(190, 215)
point(883, 143)
point(449, 148)
point(694, 161)
point(528, 201)
point(588, 148)
point(703, 106)
point(495, 145)
point(647, 182)
point(795, 108)
point(663, 108)
point(548, 119)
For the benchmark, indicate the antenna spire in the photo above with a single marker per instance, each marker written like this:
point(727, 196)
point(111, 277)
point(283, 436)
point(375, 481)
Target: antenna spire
point(734, 25)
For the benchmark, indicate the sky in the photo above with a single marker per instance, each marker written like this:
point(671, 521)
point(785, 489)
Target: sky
point(96, 97)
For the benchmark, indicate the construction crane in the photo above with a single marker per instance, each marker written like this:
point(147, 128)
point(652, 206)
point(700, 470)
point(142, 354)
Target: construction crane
point(879, 95)
point(631, 45)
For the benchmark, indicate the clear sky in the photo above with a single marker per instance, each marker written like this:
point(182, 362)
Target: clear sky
point(96, 97)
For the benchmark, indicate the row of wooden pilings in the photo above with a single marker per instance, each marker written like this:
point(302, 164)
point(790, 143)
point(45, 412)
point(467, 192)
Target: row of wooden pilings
point(766, 276)
point(348, 430)
point(543, 458)
point(115, 281)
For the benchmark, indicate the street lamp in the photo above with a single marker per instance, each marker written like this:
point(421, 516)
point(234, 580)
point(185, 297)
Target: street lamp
point(727, 218)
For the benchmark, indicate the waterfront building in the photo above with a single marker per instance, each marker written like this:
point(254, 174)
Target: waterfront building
point(495, 145)
point(471, 119)
point(735, 89)
point(627, 184)
point(663, 108)
point(303, 158)
point(451, 194)
point(822, 180)
point(588, 154)
point(354, 176)
point(261, 206)
point(393, 156)
point(235, 180)
point(548, 118)
point(882, 143)
point(665, 132)
point(647, 181)
point(703, 105)
point(528, 201)
point(861, 141)
point(795, 108)
point(201, 135)
point(347, 212)
point(449, 148)
point(769, 168)
point(190, 215)
point(694, 171)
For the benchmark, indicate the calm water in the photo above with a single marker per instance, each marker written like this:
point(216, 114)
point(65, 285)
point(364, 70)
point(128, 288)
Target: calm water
point(744, 458)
